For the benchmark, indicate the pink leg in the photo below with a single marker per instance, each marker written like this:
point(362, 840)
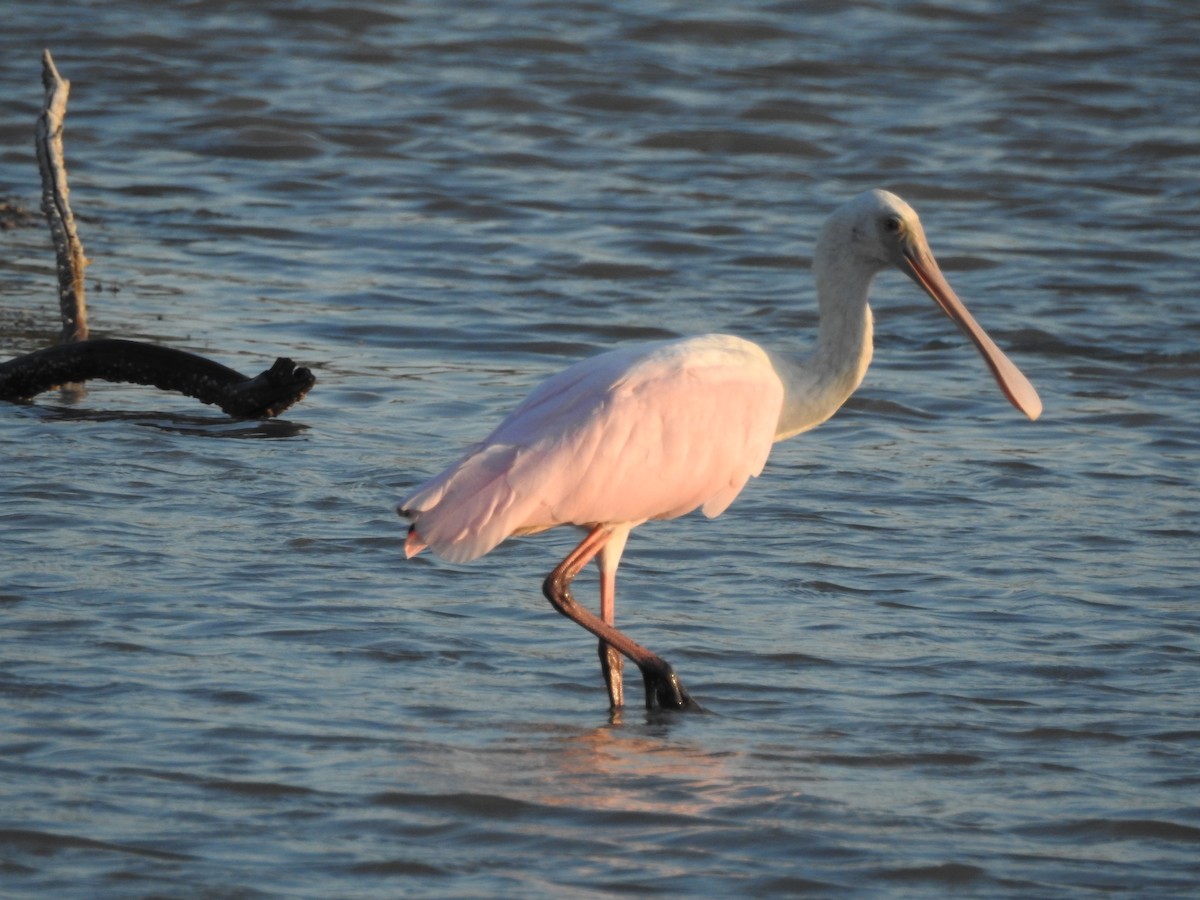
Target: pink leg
point(611, 661)
point(663, 687)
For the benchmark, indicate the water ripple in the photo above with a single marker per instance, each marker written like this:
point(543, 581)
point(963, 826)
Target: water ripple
point(944, 651)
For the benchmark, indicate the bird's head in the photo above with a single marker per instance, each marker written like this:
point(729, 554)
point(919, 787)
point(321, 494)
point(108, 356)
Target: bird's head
point(876, 230)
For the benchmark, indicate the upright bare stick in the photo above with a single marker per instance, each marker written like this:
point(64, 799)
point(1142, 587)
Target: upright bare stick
point(57, 207)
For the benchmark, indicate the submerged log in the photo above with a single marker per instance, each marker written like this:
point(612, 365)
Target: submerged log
point(77, 358)
point(262, 396)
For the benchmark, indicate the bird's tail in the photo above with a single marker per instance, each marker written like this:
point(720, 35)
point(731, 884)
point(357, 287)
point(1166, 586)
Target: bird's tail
point(413, 544)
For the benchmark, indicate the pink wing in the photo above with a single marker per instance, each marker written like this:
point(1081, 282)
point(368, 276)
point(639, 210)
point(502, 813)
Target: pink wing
point(648, 432)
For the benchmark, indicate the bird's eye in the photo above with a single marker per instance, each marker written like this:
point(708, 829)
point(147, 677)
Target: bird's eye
point(893, 225)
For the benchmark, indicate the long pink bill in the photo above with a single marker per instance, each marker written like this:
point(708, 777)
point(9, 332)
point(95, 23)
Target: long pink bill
point(923, 269)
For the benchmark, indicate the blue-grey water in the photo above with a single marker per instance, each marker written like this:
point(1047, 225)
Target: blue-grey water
point(946, 651)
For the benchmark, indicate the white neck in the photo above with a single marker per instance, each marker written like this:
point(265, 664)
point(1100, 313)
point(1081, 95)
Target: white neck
point(817, 383)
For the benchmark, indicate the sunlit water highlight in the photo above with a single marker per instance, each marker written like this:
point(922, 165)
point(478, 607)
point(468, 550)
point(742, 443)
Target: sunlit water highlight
point(946, 651)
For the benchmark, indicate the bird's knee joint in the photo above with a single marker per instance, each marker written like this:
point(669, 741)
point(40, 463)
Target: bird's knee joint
point(558, 593)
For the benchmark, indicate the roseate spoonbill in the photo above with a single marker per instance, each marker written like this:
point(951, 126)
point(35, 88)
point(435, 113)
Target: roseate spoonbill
point(657, 430)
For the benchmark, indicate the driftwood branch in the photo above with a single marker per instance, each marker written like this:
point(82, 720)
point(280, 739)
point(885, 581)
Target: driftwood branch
point(263, 396)
point(56, 204)
point(77, 358)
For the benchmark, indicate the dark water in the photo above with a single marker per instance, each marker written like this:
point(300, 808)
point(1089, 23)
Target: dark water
point(947, 651)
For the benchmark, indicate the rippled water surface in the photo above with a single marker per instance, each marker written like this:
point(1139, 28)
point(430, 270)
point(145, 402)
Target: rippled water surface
point(946, 651)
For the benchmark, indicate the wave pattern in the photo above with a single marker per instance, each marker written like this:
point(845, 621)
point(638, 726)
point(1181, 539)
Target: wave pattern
point(949, 652)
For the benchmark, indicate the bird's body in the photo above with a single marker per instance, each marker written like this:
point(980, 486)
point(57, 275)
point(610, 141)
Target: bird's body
point(658, 430)
point(677, 425)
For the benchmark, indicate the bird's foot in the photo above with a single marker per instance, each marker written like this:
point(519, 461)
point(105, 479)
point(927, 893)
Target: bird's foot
point(664, 690)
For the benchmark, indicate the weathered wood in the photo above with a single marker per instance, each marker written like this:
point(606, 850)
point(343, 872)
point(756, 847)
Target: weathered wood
point(55, 203)
point(262, 396)
point(77, 358)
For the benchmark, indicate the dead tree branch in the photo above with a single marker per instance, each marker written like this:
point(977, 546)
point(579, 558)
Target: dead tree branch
point(263, 396)
point(77, 358)
point(56, 203)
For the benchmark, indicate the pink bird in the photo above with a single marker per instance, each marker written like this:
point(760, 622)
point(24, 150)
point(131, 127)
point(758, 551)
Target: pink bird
point(658, 430)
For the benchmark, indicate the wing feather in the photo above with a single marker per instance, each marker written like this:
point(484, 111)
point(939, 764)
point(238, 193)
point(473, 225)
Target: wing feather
point(648, 432)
